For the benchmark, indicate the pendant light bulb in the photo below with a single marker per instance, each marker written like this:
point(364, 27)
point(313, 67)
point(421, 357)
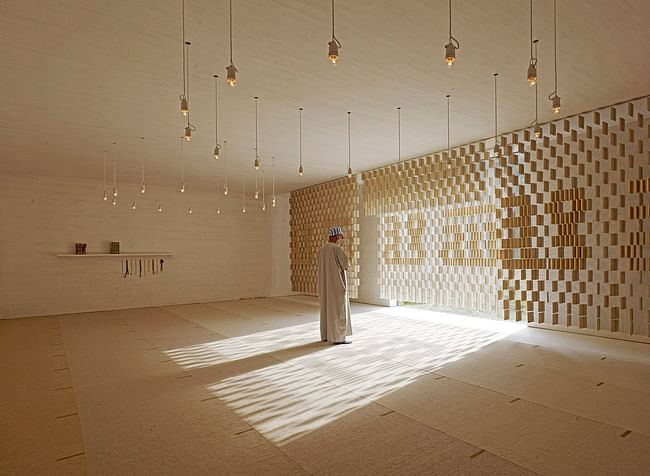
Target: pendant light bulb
point(189, 210)
point(537, 131)
point(160, 207)
point(556, 104)
point(450, 54)
point(218, 210)
point(142, 188)
point(333, 51)
point(300, 171)
point(216, 152)
point(225, 189)
point(257, 163)
point(257, 194)
point(243, 208)
point(273, 202)
point(532, 72)
point(185, 110)
point(263, 206)
point(231, 75)
point(105, 195)
point(115, 191)
point(182, 187)
point(133, 205)
point(349, 171)
point(188, 133)
point(334, 44)
point(114, 202)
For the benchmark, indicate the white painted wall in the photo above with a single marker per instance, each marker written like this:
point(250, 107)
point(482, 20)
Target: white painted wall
point(216, 257)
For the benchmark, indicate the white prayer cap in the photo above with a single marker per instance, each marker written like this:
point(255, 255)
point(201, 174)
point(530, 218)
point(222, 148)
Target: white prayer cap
point(335, 230)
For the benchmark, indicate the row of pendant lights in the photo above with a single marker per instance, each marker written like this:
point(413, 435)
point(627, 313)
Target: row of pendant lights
point(333, 55)
point(334, 46)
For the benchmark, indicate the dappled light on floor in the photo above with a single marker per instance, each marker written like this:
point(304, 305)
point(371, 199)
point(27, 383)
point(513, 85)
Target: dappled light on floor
point(308, 390)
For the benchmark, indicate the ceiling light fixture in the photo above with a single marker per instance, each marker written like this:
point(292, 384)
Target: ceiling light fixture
point(185, 110)
point(448, 133)
point(190, 127)
point(257, 190)
point(217, 147)
point(189, 188)
point(537, 129)
point(452, 46)
point(555, 99)
point(273, 167)
point(300, 122)
point(225, 176)
point(399, 140)
point(105, 194)
point(160, 207)
point(142, 186)
point(335, 44)
point(349, 148)
point(182, 187)
point(243, 195)
point(231, 71)
point(497, 150)
point(257, 155)
point(133, 205)
point(263, 195)
point(114, 175)
point(531, 74)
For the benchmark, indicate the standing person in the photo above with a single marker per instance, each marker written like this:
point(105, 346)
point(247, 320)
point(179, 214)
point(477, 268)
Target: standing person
point(333, 263)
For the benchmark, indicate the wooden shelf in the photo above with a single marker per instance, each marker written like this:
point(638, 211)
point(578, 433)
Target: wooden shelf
point(118, 255)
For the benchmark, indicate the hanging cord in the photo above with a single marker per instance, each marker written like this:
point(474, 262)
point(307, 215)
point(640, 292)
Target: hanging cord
point(257, 155)
point(216, 109)
point(182, 162)
point(273, 166)
point(554, 93)
point(536, 95)
point(142, 155)
point(334, 38)
point(452, 40)
point(448, 127)
point(230, 31)
point(399, 135)
point(300, 119)
point(184, 85)
point(187, 56)
point(225, 155)
point(531, 30)
point(104, 171)
point(349, 143)
point(495, 109)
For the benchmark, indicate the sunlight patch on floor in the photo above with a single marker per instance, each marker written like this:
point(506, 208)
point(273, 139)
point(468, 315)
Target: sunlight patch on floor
point(391, 348)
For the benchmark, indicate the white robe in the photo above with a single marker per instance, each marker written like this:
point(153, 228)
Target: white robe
point(335, 321)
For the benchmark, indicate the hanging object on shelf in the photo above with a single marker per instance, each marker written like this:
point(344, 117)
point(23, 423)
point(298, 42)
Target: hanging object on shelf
point(555, 99)
point(334, 45)
point(349, 148)
point(452, 45)
point(531, 74)
point(217, 147)
point(231, 71)
point(300, 171)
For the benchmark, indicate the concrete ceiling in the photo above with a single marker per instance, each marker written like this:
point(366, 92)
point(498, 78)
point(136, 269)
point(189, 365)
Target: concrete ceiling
point(78, 75)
